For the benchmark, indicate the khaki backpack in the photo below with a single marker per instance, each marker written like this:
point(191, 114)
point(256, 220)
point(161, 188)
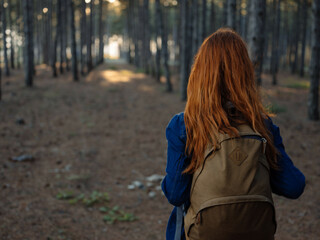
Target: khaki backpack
point(230, 193)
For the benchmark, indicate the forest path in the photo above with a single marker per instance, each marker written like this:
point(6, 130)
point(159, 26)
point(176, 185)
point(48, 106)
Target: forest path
point(105, 132)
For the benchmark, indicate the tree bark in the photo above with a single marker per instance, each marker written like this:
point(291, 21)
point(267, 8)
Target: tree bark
point(232, 12)
point(83, 22)
point(275, 41)
point(0, 74)
point(184, 74)
point(4, 34)
point(65, 33)
point(195, 22)
point(257, 35)
point(204, 20)
point(158, 34)
point(28, 43)
point(101, 32)
point(59, 33)
point(11, 36)
point(89, 40)
point(296, 30)
point(212, 17)
point(304, 35)
point(73, 42)
point(313, 101)
point(55, 43)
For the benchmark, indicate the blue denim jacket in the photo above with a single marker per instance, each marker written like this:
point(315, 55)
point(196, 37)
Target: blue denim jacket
point(288, 181)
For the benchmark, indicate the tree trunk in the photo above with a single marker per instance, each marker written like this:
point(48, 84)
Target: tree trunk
point(130, 17)
point(55, 43)
point(164, 42)
point(146, 36)
point(275, 41)
point(204, 20)
point(28, 42)
point(0, 73)
point(166, 53)
point(313, 101)
point(11, 36)
point(5, 49)
point(257, 35)
point(296, 28)
point(65, 33)
point(232, 12)
point(158, 34)
point(89, 40)
point(101, 27)
point(73, 42)
point(184, 74)
point(224, 12)
point(195, 22)
point(304, 35)
point(59, 33)
point(212, 17)
point(83, 22)
point(137, 29)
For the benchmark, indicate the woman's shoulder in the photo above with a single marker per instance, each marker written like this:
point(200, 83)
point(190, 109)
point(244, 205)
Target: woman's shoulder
point(177, 126)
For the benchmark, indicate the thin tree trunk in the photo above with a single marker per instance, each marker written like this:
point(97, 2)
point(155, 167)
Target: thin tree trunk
point(11, 36)
point(146, 38)
point(55, 43)
point(212, 17)
point(83, 22)
point(313, 101)
point(304, 35)
point(275, 41)
point(195, 22)
point(130, 17)
point(28, 42)
point(164, 44)
point(65, 34)
point(257, 33)
point(137, 30)
point(184, 35)
point(101, 44)
point(224, 12)
point(5, 49)
point(60, 33)
point(0, 72)
point(232, 13)
point(73, 42)
point(295, 44)
point(204, 20)
point(89, 40)
point(158, 35)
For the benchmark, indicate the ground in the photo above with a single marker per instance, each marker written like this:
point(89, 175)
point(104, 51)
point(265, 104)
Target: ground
point(105, 132)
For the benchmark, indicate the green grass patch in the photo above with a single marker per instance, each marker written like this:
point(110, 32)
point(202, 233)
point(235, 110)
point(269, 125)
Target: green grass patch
point(88, 201)
point(299, 85)
point(111, 214)
point(116, 214)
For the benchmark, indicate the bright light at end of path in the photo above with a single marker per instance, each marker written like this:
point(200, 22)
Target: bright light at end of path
point(45, 10)
point(88, 1)
point(111, 1)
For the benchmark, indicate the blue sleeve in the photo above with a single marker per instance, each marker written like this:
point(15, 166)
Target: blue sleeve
point(175, 185)
point(287, 181)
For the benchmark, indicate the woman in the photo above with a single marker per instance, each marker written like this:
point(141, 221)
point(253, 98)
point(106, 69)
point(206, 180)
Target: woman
point(221, 96)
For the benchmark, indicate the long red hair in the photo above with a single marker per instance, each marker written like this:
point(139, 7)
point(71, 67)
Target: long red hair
point(222, 75)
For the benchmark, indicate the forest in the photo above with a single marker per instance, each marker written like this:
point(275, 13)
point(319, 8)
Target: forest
point(87, 88)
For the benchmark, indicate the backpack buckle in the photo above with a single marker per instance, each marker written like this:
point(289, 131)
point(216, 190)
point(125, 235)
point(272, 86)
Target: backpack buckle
point(264, 146)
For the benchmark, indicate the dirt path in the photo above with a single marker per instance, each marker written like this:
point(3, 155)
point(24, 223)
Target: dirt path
point(101, 135)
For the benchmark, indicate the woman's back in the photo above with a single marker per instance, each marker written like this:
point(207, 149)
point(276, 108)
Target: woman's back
point(222, 97)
